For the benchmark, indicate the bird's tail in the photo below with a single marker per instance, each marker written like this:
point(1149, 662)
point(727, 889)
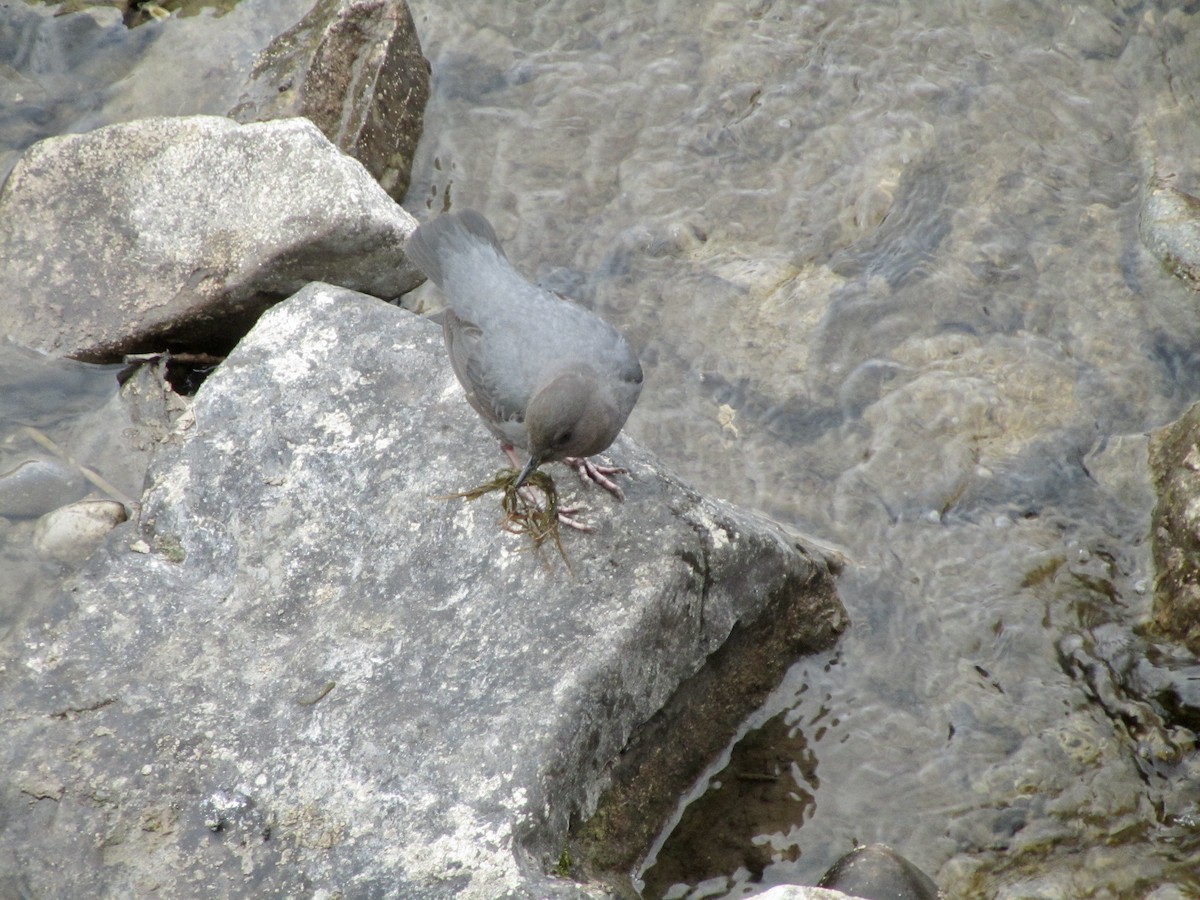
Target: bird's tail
point(430, 244)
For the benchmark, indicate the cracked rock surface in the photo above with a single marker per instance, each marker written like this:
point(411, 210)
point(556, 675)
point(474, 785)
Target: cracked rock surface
point(303, 671)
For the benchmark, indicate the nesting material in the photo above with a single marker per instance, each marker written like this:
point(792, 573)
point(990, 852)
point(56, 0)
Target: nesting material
point(522, 513)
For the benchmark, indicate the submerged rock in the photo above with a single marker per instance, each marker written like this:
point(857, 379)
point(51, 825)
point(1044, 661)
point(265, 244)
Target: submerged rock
point(877, 872)
point(71, 533)
point(1170, 229)
point(1175, 531)
point(178, 233)
point(305, 671)
point(37, 484)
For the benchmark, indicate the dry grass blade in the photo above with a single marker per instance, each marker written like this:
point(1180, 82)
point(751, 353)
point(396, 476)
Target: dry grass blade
point(103, 484)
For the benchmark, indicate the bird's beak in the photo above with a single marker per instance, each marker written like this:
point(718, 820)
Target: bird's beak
point(530, 468)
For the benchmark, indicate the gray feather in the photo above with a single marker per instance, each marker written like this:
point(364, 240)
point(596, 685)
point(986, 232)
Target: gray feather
point(508, 339)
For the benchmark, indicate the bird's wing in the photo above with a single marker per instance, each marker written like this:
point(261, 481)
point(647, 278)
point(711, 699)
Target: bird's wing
point(468, 349)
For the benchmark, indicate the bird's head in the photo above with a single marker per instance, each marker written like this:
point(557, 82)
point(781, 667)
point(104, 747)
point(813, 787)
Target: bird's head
point(571, 415)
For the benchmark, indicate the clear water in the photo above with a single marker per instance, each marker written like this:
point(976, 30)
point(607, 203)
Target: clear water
point(57, 412)
point(881, 262)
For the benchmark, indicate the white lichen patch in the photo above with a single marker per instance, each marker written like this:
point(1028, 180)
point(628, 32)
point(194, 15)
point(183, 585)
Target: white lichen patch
point(721, 537)
point(483, 849)
point(336, 422)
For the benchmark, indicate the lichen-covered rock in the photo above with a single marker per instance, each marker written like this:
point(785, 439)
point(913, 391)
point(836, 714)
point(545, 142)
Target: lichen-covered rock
point(176, 233)
point(1175, 468)
point(1170, 229)
point(354, 67)
point(307, 671)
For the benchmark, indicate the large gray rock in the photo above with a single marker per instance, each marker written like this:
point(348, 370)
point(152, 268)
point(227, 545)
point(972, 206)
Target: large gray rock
point(353, 66)
point(306, 672)
point(177, 233)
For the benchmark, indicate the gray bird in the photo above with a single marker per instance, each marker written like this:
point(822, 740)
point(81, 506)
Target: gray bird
point(545, 374)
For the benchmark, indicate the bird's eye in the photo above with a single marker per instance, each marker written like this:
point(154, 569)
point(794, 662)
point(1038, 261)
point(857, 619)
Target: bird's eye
point(564, 438)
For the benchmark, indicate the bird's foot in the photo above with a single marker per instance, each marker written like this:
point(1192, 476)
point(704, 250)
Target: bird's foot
point(566, 514)
point(590, 471)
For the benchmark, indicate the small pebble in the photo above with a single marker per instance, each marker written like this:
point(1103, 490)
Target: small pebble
point(70, 534)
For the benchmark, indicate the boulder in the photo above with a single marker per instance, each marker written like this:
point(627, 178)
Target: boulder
point(355, 69)
point(308, 670)
point(352, 66)
point(177, 233)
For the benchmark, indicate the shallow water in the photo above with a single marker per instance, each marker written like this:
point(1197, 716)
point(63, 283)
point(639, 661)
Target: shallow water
point(63, 73)
point(882, 266)
point(54, 415)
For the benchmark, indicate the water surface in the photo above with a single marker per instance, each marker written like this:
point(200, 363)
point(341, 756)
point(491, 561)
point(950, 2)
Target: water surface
point(881, 262)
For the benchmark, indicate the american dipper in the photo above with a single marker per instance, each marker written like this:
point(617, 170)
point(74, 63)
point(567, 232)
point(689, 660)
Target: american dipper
point(545, 374)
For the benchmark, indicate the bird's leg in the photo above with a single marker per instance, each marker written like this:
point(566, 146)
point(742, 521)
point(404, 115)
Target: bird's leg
point(590, 471)
point(565, 513)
